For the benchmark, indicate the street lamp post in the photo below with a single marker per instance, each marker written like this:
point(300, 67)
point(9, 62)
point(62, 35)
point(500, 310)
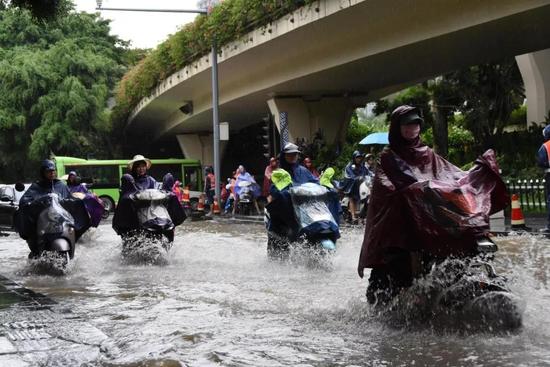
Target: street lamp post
point(215, 100)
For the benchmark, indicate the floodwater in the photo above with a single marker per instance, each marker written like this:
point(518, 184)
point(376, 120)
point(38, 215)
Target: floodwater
point(219, 301)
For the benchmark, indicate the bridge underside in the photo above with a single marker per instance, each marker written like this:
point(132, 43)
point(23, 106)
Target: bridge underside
point(387, 49)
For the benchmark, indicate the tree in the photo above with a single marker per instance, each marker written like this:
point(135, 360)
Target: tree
point(56, 79)
point(40, 9)
point(485, 95)
point(489, 93)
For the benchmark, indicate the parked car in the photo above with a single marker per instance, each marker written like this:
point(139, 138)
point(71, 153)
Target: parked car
point(9, 202)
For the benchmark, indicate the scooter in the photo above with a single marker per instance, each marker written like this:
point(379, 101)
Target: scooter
point(246, 198)
point(468, 288)
point(300, 214)
point(154, 234)
point(364, 195)
point(56, 230)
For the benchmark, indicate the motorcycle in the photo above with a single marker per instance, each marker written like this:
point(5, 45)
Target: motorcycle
point(301, 214)
point(157, 214)
point(50, 227)
point(365, 188)
point(246, 198)
point(468, 289)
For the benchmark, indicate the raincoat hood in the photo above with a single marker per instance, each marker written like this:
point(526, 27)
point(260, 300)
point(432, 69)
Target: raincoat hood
point(546, 133)
point(167, 182)
point(411, 151)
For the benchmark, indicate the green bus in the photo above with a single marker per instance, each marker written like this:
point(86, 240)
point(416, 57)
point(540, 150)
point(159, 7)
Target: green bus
point(103, 176)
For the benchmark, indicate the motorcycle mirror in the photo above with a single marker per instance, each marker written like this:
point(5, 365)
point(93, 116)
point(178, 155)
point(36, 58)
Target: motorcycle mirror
point(19, 187)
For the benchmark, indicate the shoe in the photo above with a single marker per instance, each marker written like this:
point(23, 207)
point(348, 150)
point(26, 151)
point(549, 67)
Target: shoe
point(544, 230)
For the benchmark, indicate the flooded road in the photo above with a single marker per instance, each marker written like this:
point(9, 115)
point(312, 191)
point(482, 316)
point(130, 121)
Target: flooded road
point(220, 301)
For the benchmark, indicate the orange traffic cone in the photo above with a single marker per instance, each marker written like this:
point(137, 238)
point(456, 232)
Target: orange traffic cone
point(216, 207)
point(200, 207)
point(518, 221)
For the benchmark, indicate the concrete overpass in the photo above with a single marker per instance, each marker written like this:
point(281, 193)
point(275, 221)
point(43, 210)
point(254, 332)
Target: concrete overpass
point(322, 61)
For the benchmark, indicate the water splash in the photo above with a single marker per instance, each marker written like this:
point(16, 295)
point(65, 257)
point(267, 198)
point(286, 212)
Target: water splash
point(143, 249)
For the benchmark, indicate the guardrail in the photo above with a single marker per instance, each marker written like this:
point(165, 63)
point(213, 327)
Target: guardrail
point(532, 193)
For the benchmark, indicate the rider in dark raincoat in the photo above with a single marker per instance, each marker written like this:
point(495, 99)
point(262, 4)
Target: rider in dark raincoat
point(48, 183)
point(354, 174)
point(422, 205)
point(93, 204)
point(27, 214)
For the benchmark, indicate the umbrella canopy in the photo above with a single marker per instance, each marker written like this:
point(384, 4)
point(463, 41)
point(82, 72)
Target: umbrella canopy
point(376, 138)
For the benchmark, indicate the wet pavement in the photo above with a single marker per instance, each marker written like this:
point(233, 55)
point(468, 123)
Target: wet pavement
point(219, 301)
point(34, 333)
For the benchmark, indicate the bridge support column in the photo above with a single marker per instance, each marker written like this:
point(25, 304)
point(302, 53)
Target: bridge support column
point(199, 146)
point(535, 70)
point(329, 115)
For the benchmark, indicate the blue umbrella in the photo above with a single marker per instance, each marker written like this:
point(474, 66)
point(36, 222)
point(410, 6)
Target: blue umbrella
point(375, 138)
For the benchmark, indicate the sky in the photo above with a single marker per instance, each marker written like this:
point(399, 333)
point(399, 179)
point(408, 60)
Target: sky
point(144, 30)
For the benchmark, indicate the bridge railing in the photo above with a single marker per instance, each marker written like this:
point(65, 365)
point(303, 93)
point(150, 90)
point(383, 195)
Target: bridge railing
point(532, 193)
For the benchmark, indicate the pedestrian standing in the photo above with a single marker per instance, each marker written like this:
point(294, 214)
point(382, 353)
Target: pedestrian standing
point(543, 160)
point(210, 187)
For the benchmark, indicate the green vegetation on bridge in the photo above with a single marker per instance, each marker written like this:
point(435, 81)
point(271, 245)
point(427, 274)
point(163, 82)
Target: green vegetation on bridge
point(228, 21)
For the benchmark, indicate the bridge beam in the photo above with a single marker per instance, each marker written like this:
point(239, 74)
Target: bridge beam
point(306, 117)
point(199, 146)
point(535, 70)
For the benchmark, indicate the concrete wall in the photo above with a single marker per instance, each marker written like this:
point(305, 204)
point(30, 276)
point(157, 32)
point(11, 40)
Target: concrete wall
point(535, 70)
point(199, 146)
point(306, 117)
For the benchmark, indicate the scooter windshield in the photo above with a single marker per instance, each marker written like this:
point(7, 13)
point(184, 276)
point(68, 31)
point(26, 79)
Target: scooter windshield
point(52, 218)
point(151, 209)
point(309, 202)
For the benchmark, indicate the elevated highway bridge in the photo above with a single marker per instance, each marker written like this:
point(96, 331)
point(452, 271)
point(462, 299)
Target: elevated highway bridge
point(322, 61)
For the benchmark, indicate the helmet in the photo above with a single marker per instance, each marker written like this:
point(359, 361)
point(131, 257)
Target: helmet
point(546, 132)
point(45, 166)
point(357, 154)
point(291, 148)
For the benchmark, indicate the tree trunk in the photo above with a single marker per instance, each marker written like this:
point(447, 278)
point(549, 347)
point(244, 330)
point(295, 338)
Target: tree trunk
point(440, 131)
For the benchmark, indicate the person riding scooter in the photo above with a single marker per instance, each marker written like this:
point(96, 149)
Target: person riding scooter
point(300, 207)
point(29, 208)
point(94, 205)
point(288, 160)
point(138, 167)
point(354, 174)
point(422, 207)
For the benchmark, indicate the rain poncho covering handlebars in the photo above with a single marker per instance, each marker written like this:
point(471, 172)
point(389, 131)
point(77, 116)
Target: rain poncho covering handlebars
point(54, 215)
point(146, 208)
point(310, 208)
point(53, 210)
point(421, 202)
point(305, 209)
point(151, 209)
